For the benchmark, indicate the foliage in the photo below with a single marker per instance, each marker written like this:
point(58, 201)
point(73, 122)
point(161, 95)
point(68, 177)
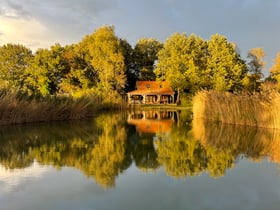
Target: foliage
point(225, 65)
point(171, 64)
point(108, 66)
point(145, 56)
point(14, 62)
point(256, 64)
point(192, 64)
point(275, 70)
point(108, 59)
point(46, 71)
point(131, 71)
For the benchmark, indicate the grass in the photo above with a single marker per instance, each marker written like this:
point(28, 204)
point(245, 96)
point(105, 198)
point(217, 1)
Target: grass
point(17, 108)
point(256, 109)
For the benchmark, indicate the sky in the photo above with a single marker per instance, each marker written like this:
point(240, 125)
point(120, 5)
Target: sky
point(41, 24)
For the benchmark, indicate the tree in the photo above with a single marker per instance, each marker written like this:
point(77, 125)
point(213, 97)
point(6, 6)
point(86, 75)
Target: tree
point(224, 64)
point(108, 59)
point(256, 64)
point(171, 64)
point(145, 56)
point(14, 61)
point(131, 71)
point(275, 69)
point(80, 75)
point(196, 64)
point(46, 71)
point(255, 67)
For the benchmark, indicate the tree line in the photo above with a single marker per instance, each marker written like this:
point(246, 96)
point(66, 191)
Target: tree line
point(109, 65)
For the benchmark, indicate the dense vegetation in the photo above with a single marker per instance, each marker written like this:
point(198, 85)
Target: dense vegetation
point(109, 66)
point(103, 67)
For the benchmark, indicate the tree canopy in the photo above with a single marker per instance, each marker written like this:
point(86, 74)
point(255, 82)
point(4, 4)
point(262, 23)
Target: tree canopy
point(106, 64)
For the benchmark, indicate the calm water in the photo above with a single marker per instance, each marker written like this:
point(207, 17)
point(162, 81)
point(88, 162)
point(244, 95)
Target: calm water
point(144, 160)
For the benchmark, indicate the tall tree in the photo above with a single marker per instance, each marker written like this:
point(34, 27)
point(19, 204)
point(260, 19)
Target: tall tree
point(196, 64)
point(145, 56)
point(80, 75)
point(224, 64)
point(275, 70)
point(46, 71)
point(171, 64)
point(14, 61)
point(255, 66)
point(256, 63)
point(108, 59)
point(131, 71)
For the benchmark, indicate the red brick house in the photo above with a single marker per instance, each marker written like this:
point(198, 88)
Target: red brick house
point(151, 92)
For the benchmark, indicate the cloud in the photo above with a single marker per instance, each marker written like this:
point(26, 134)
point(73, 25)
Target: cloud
point(12, 9)
point(52, 21)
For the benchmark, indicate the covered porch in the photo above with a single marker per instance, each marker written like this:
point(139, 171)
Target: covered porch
point(150, 98)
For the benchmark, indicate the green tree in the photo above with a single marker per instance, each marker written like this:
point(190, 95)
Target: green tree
point(80, 75)
point(108, 59)
point(46, 71)
point(14, 61)
point(171, 64)
point(145, 56)
point(224, 64)
point(131, 71)
point(196, 64)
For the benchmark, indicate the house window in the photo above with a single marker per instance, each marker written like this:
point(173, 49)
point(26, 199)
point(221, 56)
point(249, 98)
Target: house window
point(160, 86)
point(147, 86)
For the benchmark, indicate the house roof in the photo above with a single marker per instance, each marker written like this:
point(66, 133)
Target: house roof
point(152, 87)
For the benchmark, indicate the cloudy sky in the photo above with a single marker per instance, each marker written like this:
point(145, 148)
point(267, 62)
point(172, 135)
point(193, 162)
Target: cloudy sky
point(40, 24)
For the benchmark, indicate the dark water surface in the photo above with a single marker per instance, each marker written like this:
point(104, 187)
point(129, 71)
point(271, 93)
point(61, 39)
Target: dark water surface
point(144, 160)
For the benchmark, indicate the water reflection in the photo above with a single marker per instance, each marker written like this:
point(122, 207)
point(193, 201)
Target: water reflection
point(152, 121)
point(242, 141)
point(106, 146)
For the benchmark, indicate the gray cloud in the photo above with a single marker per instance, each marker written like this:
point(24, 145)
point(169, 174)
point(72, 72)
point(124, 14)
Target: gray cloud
point(12, 9)
point(249, 23)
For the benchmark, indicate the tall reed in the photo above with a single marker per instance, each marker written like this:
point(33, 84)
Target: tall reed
point(18, 108)
point(256, 109)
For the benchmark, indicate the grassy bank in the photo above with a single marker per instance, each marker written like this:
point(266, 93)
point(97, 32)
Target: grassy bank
point(17, 108)
point(258, 109)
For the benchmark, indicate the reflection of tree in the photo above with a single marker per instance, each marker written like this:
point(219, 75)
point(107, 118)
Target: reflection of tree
point(182, 156)
point(142, 150)
point(97, 151)
point(108, 156)
point(20, 145)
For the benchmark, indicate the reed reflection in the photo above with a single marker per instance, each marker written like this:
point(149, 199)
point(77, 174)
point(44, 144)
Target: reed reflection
point(249, 141)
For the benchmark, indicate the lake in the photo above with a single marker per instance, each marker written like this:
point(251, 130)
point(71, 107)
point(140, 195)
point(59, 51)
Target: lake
point(139, 160)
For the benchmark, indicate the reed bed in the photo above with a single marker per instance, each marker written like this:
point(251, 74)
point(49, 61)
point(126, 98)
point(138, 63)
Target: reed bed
point(16, 108)
point(253, 109)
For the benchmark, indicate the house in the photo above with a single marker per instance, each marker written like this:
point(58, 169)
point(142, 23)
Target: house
point(151, 92)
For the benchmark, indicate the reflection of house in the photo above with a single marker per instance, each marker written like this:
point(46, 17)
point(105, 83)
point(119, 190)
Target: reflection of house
point(151, 92)
point(152, 121)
